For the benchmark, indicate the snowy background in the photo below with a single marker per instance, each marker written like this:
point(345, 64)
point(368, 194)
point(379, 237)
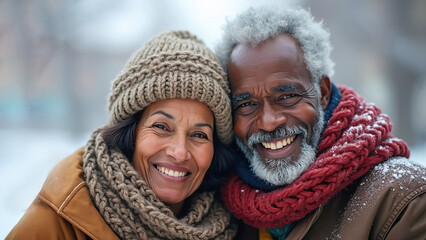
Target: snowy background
point(58, 59)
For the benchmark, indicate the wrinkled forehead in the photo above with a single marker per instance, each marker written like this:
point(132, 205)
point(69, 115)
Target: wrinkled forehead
point(276, 59)
point(283, 46)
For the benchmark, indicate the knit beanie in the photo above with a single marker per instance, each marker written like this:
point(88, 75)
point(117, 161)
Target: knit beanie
point(174, 64)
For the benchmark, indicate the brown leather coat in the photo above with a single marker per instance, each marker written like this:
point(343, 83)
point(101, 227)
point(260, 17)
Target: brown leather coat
point(63, 208)
point(388, 203)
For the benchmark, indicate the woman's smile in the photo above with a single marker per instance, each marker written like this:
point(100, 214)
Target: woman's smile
point(171, 172)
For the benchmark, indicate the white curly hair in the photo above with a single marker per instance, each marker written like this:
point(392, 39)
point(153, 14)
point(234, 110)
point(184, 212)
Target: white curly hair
point(256, 25)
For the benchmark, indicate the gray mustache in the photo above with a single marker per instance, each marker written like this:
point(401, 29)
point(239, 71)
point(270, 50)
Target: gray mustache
point(281, 132)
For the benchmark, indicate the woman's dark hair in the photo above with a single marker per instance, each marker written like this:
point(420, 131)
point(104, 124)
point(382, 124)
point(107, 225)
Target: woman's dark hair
point(122, 135)
point(220, 167)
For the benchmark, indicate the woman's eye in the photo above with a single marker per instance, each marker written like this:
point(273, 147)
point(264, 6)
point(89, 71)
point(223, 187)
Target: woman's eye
point(200, 135)
point(159, 126)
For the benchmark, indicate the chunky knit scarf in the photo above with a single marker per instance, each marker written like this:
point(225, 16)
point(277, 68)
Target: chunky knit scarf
point(133, 211)
point(357, 137)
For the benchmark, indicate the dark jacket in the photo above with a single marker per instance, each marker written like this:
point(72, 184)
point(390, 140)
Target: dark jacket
point(387, 203)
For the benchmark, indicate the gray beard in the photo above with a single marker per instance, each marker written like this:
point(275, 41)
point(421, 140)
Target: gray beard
point(283, 171)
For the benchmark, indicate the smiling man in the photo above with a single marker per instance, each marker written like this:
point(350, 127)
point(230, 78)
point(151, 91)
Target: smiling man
point(278, 118)
point(319, 161)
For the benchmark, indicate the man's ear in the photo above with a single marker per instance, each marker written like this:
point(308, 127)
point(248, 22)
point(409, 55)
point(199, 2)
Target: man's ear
point(325, 87)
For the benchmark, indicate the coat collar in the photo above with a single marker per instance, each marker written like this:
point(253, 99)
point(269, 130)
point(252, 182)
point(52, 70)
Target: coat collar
point(300, 229)
point(66, 192)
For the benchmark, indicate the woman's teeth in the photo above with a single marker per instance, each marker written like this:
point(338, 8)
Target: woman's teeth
point(278, 145)
point(170, 172)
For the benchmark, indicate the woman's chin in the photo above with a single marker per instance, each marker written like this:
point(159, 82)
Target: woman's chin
point(171, 196)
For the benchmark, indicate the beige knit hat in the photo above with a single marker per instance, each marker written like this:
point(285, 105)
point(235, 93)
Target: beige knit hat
point(175, 64)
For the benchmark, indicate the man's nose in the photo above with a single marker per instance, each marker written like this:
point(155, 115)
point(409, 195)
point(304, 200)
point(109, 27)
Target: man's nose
point(270, 117)
point(178, 148)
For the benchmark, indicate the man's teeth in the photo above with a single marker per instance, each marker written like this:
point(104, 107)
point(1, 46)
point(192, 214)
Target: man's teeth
point(170, 172)
point(279, 144)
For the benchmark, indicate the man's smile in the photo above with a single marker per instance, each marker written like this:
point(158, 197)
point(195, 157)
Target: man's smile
point(278, 144)
point(279, 148)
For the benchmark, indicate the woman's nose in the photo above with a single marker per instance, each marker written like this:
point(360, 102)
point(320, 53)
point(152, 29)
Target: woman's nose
point(178, 148)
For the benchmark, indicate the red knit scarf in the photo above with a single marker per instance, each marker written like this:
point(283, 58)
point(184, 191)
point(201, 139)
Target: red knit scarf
point(357, 137)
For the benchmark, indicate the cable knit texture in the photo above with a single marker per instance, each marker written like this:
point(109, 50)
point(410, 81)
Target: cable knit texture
point(175, 64)
point(357, 137)
point(132, 209)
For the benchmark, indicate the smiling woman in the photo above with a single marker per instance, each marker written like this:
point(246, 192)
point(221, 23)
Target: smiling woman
point(174, 148)
point(153, 170)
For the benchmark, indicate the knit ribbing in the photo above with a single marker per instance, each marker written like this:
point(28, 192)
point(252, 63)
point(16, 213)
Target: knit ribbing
point(132, 209)
point(357, 137)
point(173, 65)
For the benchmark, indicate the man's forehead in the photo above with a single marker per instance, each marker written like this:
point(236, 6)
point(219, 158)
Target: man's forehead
point(283, 46)
point(278, 86)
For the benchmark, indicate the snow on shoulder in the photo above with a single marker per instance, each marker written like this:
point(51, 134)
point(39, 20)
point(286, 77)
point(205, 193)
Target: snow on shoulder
point(400, 168)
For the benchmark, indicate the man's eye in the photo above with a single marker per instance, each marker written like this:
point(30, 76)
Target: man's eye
point(288, 100)
point(245, 104)
point(289, 96)
point(245, 108)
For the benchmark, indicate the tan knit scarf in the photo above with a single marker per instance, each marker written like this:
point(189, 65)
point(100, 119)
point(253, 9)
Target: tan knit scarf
point(132, 209)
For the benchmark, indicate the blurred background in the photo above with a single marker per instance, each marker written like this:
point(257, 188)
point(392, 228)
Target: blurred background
point(58, 59)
